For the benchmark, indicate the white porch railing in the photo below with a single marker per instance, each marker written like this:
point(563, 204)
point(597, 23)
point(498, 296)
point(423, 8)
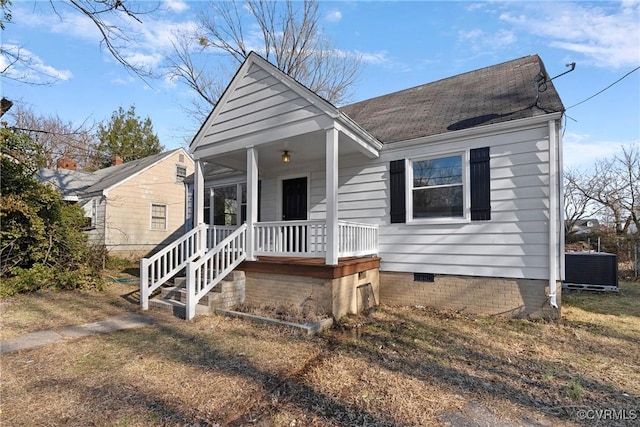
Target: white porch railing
point(205, 269)
point(205, 273)
point(217, 233)
point(357, 239)
point(309, 239)
point(290, 238)
point(162, 266)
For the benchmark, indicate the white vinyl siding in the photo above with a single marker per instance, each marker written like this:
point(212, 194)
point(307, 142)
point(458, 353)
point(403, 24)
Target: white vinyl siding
point(513, 244)
point(260, 103)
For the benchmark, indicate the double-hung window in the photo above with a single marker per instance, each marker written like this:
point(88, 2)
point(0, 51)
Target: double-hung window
point(158, 216)
point(449, 187)
point(181, 173)
point(437, 187)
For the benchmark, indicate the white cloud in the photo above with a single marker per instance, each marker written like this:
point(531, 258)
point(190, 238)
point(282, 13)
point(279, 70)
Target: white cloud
point(375, 58)
point(64, 22)
point(176, 5)
point(144, 60)
point(604, 33)
point(333, 16)
point(23, 65)
point(581, 151)
point(122, 81)
point(481, 41)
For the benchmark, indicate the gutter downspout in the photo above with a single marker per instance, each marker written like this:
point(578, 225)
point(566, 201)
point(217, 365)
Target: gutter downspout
point(553, 212)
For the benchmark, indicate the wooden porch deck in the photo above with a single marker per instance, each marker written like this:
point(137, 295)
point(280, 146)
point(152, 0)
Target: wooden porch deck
point(310, 267)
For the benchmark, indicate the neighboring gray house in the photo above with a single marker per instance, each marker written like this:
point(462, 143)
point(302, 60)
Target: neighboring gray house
point(446, 194)
point(133, 208)
point(585, 226)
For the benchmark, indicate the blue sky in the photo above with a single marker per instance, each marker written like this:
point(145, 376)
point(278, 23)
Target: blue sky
point(403, 44)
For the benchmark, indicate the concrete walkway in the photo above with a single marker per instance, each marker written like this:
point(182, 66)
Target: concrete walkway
point(46, 337)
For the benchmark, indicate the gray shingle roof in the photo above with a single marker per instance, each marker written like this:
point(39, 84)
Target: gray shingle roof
point(494, 94)
point(73, 183)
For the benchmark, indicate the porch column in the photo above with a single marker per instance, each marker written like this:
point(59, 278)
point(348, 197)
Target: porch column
point(332, 196)
point(198, 202)
point(252, 199)
point(198, 195)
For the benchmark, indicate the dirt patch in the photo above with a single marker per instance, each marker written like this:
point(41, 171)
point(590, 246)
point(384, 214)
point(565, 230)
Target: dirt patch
point(285, 312)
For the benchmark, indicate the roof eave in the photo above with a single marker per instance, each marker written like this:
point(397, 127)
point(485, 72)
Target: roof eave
point(475, 131)
point(367, 142)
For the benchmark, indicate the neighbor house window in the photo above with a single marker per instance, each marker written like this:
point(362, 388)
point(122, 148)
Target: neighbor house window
point(181, 173)
point(437, 187)
point(158, 216)
point(90, 214)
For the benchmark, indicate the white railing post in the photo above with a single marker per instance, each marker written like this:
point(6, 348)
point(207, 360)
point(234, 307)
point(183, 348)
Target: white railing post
point(201, 239)
point(144, 284)
point(190, 303)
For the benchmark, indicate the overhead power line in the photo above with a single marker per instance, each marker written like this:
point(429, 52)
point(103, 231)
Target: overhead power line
point(598, 93)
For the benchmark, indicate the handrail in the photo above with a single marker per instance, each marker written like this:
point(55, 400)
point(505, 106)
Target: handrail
point(206, 272)
point(162, 266)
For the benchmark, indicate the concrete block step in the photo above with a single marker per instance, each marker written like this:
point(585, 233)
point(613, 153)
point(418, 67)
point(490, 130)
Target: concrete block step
point(180, 294)
point(177, 308)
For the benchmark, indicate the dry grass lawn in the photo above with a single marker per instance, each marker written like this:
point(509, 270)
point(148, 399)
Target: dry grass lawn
point(395, 367)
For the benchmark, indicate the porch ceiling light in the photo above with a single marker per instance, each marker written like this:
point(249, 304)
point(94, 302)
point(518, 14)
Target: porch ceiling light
point(286, 157)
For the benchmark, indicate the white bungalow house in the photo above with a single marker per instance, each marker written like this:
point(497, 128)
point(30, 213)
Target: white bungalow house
point(446, 194)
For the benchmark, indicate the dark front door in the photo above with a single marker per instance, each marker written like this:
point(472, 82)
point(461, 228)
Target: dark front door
point(294, 199)
point(294, 208)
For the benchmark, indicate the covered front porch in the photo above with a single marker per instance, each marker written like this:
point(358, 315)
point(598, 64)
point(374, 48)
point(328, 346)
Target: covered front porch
point(285, 211)
point(266, 182)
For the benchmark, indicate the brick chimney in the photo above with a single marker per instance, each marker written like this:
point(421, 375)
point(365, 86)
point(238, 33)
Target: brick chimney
point(117, 160)
point(67, 163)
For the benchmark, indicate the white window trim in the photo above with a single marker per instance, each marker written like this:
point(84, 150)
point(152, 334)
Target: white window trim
point(466, 189)
point(166, 216)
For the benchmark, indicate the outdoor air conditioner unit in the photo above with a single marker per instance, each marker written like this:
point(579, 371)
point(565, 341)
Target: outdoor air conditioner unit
point(591, 271)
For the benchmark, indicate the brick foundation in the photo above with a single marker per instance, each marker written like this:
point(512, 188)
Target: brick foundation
point(344, 295)
point(231, 290)
point(478, 295)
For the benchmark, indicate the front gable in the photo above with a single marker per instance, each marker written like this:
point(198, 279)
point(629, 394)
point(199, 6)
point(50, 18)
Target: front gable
point(260, 105)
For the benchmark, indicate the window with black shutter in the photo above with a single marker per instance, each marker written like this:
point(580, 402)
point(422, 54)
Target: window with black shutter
point(436, 187)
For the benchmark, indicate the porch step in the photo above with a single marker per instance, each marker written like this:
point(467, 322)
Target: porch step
point(172, 299)
point(177, 308)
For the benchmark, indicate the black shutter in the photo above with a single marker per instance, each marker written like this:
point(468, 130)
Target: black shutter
point(480, 184)
point(397, 191)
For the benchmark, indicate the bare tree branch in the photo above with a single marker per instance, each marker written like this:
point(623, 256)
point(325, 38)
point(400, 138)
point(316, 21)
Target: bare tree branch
point(613, 185)
point(110, 18)
point(288, 36)
point(57, 138)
